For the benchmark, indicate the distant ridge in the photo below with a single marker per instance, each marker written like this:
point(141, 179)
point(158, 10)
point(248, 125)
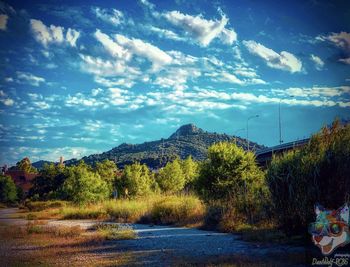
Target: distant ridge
point(185, 141)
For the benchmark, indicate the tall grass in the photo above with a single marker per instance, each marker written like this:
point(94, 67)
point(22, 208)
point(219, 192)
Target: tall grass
point(160, 209)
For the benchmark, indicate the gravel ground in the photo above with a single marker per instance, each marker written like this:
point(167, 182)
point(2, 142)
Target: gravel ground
point(162, 245)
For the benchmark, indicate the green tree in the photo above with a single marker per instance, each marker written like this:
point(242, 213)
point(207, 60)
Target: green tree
point(48, 183)
point(83, 185)
point(231, 175)
point(190, 170)
point(318, 172)
point(8, 190)
point(26, 165)
point(171, 179)
point(138, 180)
point(107, 171)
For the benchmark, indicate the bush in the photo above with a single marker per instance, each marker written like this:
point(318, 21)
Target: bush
point(8, 190)
point(319, 172)
point(230, 176)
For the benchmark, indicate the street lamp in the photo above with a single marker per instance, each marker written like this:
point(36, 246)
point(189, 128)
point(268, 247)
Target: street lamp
point(235, 134)
point(279, 119)
point(251, 117)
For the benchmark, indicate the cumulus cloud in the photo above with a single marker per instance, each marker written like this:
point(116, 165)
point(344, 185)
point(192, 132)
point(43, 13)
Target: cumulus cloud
point(3, 22)
point(202, 30)
point(317, 91)
point(112, 16)
point(25, 77)
point(318, 61)
point(283, 60)
point(53, 34)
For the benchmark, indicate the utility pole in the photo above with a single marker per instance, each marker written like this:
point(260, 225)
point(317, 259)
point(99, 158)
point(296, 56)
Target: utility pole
point(251, 117)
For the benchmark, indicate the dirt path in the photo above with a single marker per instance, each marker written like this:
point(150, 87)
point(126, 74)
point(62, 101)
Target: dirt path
point(166, 245)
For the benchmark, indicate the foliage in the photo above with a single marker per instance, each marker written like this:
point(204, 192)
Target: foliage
point(107, 171)
point(231, 176)
point(83, 185)
point(8, 190)
point(137, 180)
point(26, 165)
point(319, 172)
point(47, 184)
point(171, 179)
point(190, 170)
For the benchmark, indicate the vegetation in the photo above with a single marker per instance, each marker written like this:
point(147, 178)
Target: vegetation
point(83, 185)
point(137, 180)
point(8, 190)
point(26, 165)
point(171, 178)
point(115, 231)
point(319, 172)
point(233, 184)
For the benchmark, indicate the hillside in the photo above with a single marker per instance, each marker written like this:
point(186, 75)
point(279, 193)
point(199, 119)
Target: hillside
point(187, 140)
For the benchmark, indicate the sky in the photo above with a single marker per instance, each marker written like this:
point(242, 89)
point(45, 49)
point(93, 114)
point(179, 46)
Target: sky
point(81, 77)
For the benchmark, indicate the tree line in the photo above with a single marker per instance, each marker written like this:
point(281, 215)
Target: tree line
point(229, 181)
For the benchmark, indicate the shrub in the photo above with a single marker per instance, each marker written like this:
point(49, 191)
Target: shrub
point(231, 176)
point(8, 190)
point(319, 172)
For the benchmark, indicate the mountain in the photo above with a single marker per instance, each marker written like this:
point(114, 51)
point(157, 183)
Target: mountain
point(39, 164)
point(187, 140)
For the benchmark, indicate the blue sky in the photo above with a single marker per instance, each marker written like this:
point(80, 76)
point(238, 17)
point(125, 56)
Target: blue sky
point(83, 77)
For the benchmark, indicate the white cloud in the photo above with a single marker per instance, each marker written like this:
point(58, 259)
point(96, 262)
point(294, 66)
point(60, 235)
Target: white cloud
point(7, 101)
point(231, 78)
point(112, 47)
point(101, 67)
point(125, 82)
point(53, 34)
point(25, 77)
point(164, 33)
point(341, 40)
point(319, 91)
point(176, 78)
point(345, 60)
point(283, 60)
point(112, 16)
point(146, 50)
point(202, 30)
point(318, 61)
point(3, 22)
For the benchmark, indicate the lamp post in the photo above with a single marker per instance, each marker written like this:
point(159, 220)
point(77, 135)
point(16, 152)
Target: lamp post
point(279, 119)
point(251, 117)
point(235, 134)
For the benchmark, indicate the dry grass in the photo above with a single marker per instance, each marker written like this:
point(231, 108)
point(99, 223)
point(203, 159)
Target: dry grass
point(39, 245)
point(179, 210)
point(115, 231)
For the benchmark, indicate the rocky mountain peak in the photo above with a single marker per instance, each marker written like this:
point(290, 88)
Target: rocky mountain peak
point(188, 129)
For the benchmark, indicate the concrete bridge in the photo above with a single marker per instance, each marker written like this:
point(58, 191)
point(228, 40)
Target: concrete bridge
point(264, 156)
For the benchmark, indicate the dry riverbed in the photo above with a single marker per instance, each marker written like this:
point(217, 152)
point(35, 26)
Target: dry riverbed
point(153, 246)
